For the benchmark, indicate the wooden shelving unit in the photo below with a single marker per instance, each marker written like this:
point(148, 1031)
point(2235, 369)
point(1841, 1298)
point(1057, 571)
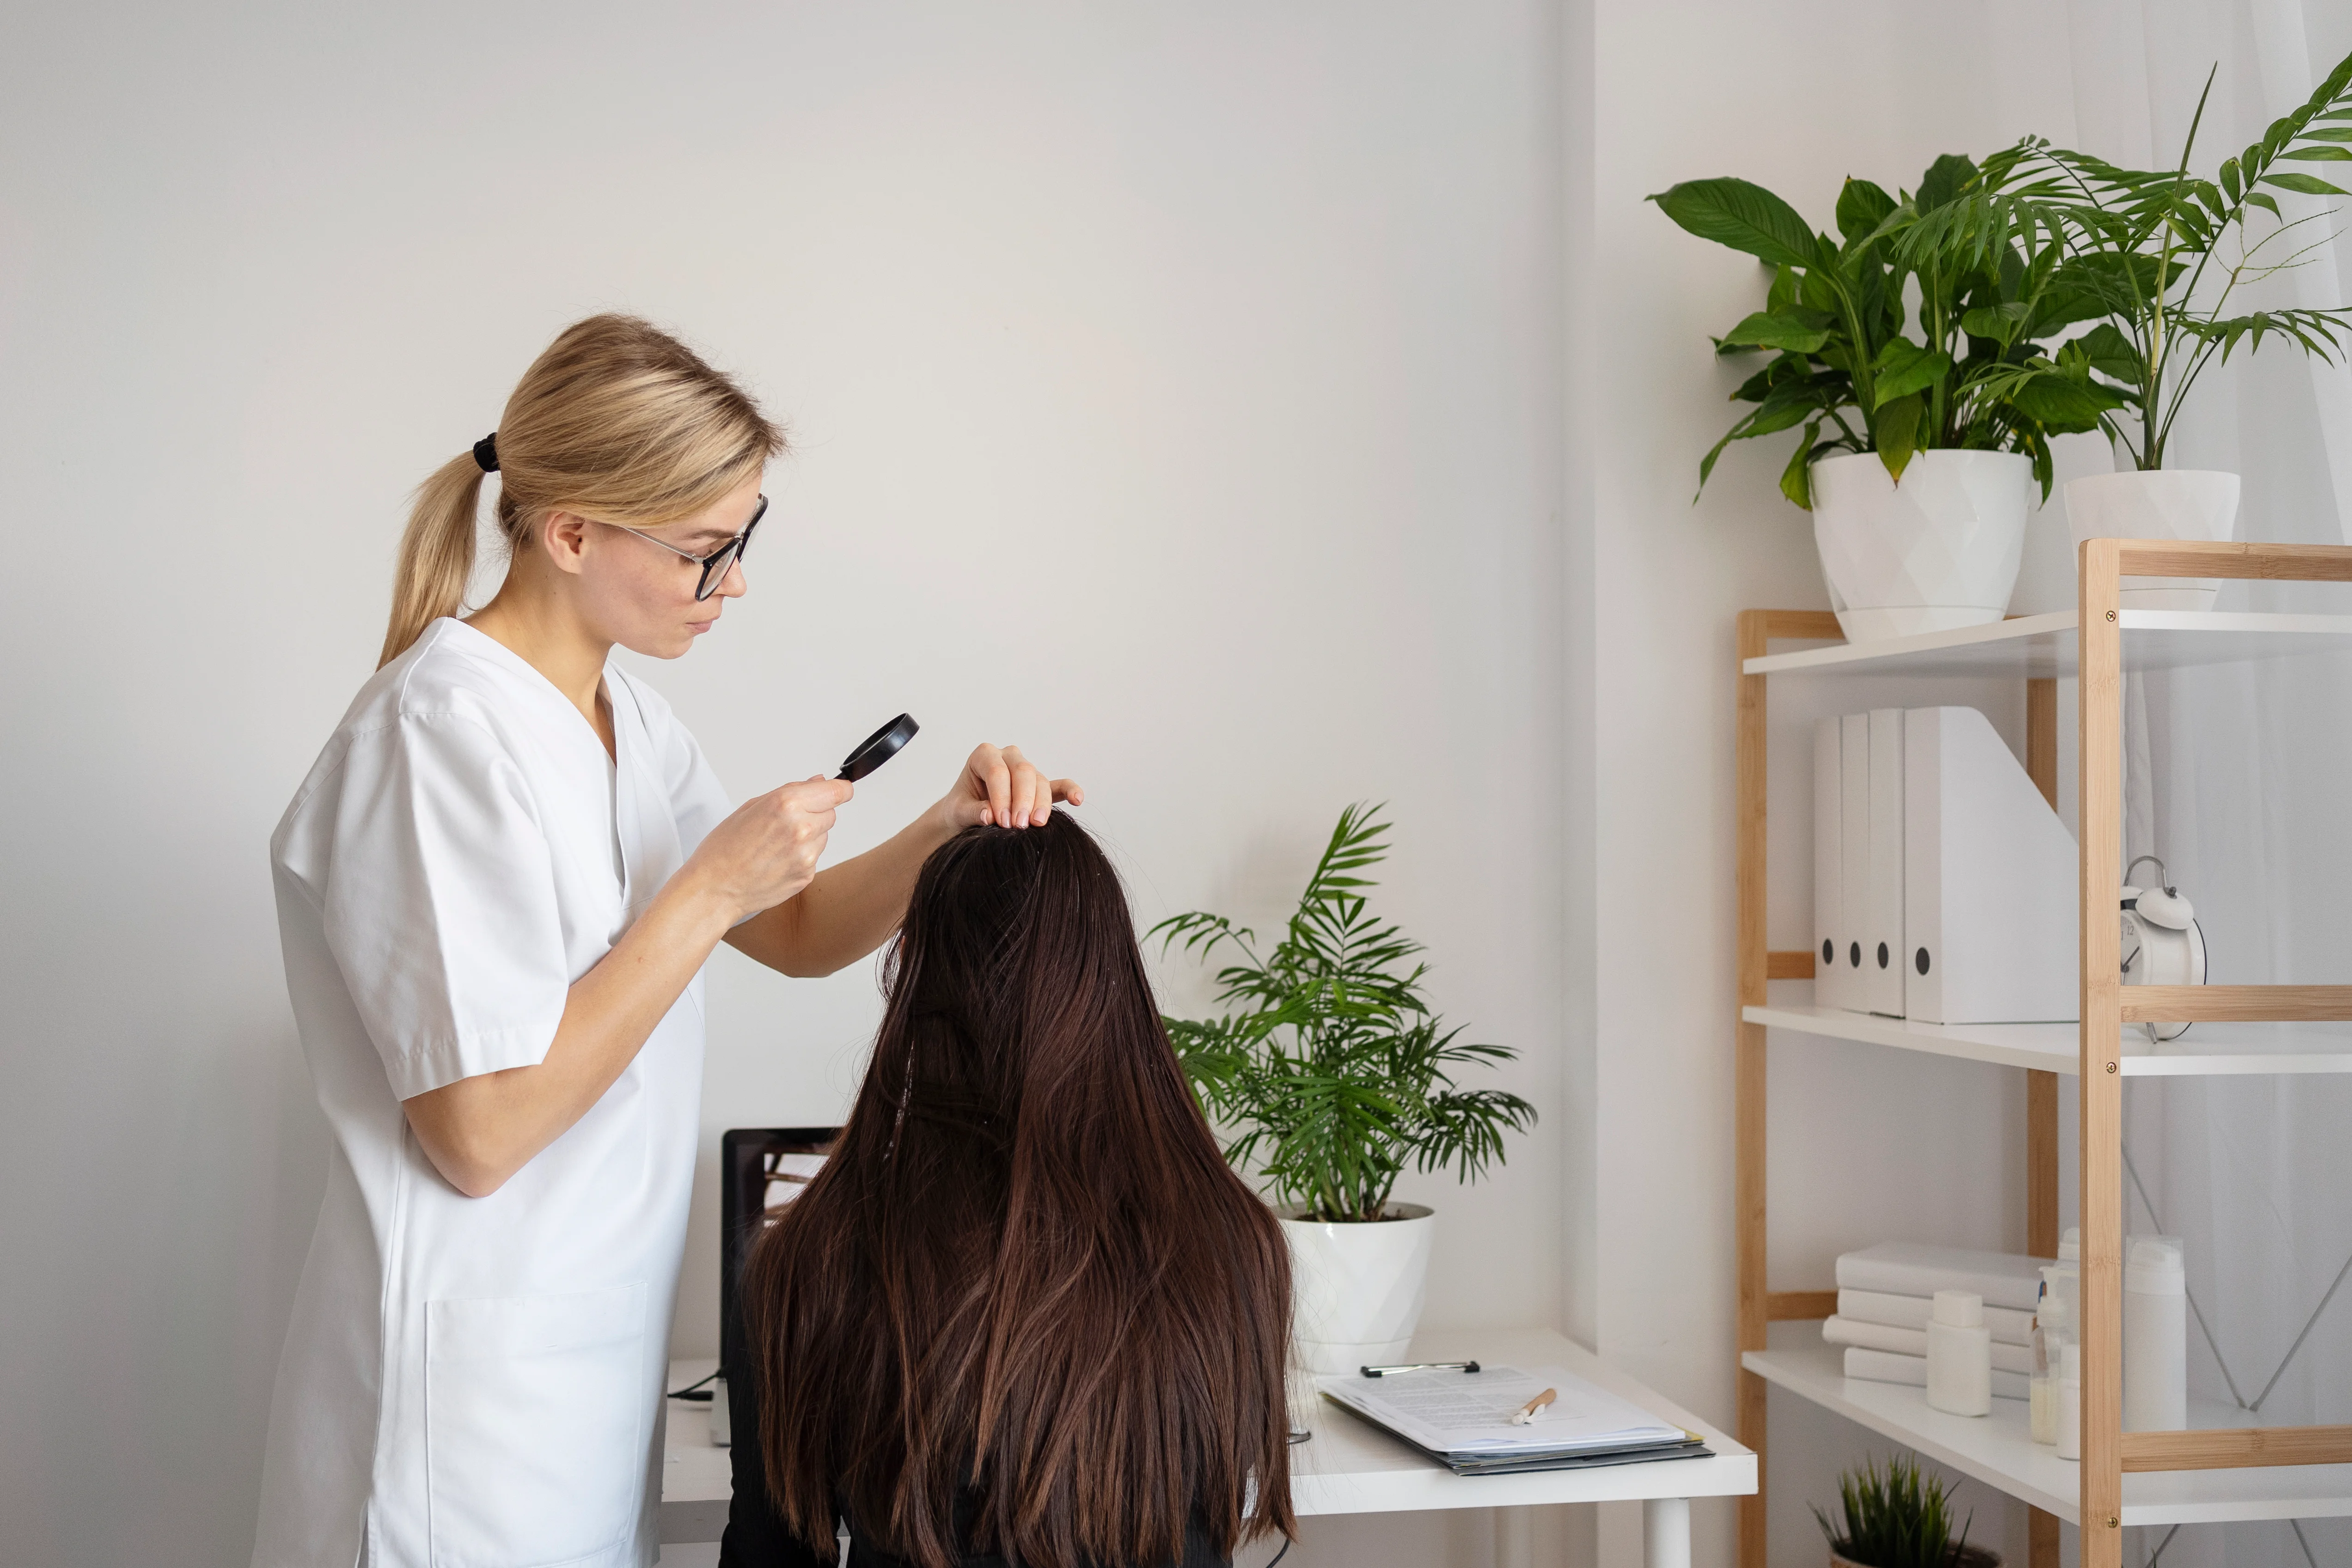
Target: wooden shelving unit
point(2218, 1471)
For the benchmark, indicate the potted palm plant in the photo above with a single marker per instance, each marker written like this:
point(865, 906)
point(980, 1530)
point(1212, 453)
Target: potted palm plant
point(1896, 1516)
point(1916, 453)
point(2168, 259)
point(1330, 1075)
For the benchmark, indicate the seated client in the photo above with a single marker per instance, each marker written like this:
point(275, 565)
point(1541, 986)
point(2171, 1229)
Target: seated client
point(1026, 1314)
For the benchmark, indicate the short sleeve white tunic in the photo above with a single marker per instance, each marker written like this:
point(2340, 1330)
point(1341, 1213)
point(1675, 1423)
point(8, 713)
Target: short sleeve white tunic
point(476, 1382)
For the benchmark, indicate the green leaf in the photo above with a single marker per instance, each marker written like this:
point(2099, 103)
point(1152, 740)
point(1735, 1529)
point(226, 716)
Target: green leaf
point(2230, 177)
point(1743, 215)
point(1755, 388)
point(1944, 180)
point(1861, 208)
point(1796, 480)
point(1783, 293)
point(2109, 352)
point(1776, 416)
point(2328, 132)
point(1998, 323)
point(2321, 154)
point(2308, 184)
point(1814, 292)
point(1798, 331)
point(2058, 403)
point(1898, 429)
point(1904, 368)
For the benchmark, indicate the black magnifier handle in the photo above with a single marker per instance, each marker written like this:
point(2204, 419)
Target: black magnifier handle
point(878, 747)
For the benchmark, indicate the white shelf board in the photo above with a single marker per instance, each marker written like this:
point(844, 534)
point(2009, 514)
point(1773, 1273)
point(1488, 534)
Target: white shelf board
point(2049, 1047)
point(2041, 647)
point(2208, 1049)
point(1998, 1451)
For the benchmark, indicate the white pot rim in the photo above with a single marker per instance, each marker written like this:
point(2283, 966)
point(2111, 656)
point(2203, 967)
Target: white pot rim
point(1395, 1214)
point(1930, 453)
point(2129, 475)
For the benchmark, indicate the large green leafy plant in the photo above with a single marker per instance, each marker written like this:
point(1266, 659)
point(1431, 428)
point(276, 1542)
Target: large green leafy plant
point(2167, 257)
point(1330, 1070)
point(1834, 320)
point(1894, 1517)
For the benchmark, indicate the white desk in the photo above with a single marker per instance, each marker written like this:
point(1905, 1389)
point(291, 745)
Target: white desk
point(1350, 1466)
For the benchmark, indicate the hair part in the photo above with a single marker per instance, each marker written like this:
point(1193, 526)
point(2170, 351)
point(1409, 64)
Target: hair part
point(618, 420)
point(1025, 1308)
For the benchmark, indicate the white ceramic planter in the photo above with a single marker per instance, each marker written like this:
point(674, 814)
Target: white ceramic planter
point(2163, 504)
point(1356, 1290)
point(1938, 551)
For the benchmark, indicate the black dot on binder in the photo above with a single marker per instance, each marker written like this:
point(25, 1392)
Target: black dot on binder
point(1922, 960)
point(1829, 952)
point(1854, 954)
point(1882, 954)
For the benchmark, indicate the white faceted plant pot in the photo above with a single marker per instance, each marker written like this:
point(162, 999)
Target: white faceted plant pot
point(1357, 1288)
point(2161, 503)
point(1935, 553)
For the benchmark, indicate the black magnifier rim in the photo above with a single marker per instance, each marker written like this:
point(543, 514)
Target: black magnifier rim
point(878, 747)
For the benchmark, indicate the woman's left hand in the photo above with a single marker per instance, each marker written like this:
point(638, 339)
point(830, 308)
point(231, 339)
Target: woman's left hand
point(1002, 787)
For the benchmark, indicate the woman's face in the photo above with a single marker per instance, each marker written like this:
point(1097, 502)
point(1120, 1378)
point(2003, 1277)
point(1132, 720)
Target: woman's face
point(632, 591)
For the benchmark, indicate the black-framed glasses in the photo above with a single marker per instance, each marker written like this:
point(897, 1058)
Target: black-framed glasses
point(714, 565)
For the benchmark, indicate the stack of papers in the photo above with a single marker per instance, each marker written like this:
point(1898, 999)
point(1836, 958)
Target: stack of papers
point(1463, 1420)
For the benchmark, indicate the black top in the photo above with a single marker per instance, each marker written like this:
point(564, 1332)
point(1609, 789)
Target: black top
point(757, 1536)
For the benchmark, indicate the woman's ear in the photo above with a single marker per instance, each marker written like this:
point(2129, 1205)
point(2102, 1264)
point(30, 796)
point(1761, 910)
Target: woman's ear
point(563, 536)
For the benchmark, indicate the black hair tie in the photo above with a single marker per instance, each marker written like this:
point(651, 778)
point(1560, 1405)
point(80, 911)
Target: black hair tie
point(486, 453)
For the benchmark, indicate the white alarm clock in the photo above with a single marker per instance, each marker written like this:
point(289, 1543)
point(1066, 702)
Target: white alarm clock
point(2162, 943)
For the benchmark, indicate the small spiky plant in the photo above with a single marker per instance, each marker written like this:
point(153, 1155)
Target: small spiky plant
point(1894, 1517)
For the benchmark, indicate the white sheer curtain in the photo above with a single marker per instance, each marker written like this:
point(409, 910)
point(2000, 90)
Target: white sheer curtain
point(2240, 777)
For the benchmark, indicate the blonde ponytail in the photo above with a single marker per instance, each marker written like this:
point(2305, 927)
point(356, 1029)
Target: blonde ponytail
point(437, 554)
point(616, 421)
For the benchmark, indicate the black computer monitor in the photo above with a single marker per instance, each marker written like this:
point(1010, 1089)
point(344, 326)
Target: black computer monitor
point(756, 1166)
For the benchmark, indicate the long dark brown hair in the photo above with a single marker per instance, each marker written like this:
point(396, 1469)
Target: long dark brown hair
point(1025, 1308)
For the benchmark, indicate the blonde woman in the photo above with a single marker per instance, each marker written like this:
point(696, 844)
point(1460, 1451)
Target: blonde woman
point(496, 892)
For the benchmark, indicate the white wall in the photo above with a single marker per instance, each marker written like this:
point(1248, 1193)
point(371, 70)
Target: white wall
point(1177, 391)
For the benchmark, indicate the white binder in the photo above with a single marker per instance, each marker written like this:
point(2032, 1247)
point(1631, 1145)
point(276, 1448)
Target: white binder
point(1830, 987)
point(1990, 881)
point(1882, 934)
point(1853, 853)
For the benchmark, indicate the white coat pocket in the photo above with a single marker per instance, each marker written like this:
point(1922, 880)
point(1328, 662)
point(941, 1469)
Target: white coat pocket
point(535, 1425)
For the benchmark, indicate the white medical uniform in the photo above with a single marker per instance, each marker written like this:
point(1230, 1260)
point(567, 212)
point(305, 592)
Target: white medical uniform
point(477, 1383)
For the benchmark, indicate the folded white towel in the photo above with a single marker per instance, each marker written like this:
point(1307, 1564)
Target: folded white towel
point(1883, 1366)
point(1913, 1342)
point(1915, 1269)
point(2008, 1326)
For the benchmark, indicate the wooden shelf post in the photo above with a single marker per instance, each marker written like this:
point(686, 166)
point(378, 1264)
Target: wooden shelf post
point(2101, 1087)
point(1757, 629)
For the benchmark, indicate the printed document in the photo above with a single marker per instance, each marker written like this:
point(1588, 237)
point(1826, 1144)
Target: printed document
point(1453, 1413)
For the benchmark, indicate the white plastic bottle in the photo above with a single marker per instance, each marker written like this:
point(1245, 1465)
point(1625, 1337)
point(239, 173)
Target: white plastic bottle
point(1960, 1355)
point(2069, 1400)
point(2156, 1336)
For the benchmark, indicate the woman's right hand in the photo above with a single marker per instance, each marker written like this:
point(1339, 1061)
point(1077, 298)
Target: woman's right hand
point(768, 849)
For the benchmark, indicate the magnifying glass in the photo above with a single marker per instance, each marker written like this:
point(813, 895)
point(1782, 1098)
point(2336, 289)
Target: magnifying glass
point(878, 747)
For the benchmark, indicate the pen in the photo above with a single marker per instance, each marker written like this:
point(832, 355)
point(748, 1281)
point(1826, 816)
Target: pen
point(1420, 1366)
point(1525, 1415)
